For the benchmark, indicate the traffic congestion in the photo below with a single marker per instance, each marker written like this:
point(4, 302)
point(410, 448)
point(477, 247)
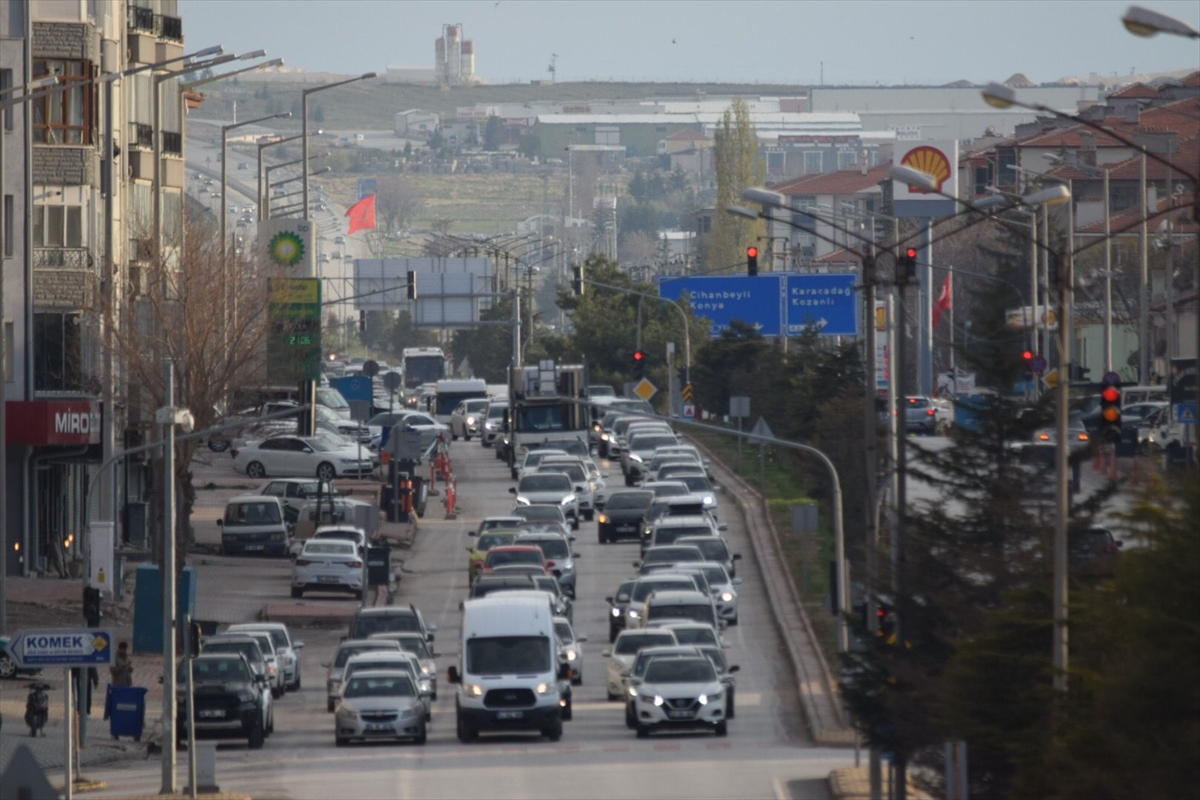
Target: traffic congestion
point(586, 587)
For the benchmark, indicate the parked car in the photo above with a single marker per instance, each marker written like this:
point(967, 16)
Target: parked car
point(328, 565)
point(300, 456)
point(254, 523)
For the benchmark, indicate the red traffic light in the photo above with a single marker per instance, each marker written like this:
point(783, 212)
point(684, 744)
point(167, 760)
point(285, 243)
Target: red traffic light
point(911, 252)
point(639, 355)
point(1111, 394)
point(1027, 355)
point(752, 252)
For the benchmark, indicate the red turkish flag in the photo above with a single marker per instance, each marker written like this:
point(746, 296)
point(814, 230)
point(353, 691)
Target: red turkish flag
point(943, 301)
point(362, 214)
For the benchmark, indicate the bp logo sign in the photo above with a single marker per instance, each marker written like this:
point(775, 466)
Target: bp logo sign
point(286, 249)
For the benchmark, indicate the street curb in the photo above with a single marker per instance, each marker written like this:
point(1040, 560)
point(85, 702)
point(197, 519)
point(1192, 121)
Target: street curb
point(814, 681)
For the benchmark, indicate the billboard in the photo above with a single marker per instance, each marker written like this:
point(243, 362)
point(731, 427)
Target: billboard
point(450, 291)
point(936, 158)
point(722, 299)
point(289, 243)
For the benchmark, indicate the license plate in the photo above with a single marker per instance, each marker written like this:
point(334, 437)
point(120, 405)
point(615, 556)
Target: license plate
point(327, 579)
point(626, 529)
point(510, 714)
point(254, 547)
point(211, 713)
point(376, 727)
point(679, 714)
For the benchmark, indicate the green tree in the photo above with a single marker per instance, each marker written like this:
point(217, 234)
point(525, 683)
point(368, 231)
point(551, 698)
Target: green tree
point(1132, 728)
point(605, 326)
point(735, 158)
point(529, 146)
point(493, 133)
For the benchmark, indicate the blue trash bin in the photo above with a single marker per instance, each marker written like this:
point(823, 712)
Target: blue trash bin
point(125, 710)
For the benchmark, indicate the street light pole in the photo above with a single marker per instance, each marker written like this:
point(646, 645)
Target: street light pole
point(304, 124)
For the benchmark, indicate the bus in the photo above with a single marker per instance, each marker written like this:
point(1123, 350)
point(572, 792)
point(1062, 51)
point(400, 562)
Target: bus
point(422, 365)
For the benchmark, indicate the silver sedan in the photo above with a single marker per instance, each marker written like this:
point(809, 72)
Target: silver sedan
point(379, 705)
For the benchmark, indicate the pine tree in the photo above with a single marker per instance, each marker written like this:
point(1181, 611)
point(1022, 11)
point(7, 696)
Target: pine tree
point(735, 157)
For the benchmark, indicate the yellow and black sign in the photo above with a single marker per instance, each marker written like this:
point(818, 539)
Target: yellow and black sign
point(687, 393)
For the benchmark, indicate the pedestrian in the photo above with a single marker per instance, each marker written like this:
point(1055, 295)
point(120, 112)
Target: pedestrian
point(122, 669)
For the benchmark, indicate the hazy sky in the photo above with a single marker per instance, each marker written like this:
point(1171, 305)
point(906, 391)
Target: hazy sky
point(859, 41)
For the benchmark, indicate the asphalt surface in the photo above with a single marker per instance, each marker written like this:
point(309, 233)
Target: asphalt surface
point(766, 753)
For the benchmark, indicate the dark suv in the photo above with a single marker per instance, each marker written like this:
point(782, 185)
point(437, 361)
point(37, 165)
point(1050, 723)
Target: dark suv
point(390, 620)
point(227, 697)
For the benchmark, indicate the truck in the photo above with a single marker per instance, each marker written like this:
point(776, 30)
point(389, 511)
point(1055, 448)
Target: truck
point(546, 401)
point(449, 393)
point(508, 676)
point(422, 365)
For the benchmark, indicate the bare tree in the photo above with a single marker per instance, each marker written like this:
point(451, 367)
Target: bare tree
point(398, 202)
point(182, 315)
point(638, 249)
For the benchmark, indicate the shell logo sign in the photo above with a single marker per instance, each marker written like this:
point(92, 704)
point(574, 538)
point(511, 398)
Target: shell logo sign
point(931, 161)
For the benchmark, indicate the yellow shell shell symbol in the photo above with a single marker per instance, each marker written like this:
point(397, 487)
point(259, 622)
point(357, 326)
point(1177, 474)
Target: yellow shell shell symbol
point(932, 162)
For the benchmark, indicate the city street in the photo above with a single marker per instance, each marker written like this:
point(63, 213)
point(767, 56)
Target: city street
point(598, 755)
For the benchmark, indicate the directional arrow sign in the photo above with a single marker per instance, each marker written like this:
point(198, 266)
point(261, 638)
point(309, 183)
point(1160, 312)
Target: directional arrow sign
point(762, 430)
point(64, 647)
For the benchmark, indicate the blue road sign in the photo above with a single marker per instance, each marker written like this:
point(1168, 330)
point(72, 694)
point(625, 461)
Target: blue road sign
point(65, 647)
point(827, 302)
point(353, 387)
point(725, 298)
point(1038, 365)
point(1186, 412)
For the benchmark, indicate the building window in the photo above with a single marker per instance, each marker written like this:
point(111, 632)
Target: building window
point(9, 349)
point(847, 159)
point(6, 78)
point(64, 117)
point(812, 162)
point(775, 162)
point(8, 226)
point(57, 226)
point(57, 348)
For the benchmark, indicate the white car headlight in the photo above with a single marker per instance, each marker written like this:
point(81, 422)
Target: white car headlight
point(543, 688)
point(604, 437)
point(566, 501)
point(633, 692)
point(635, 457)
point(616, 612)
point(426, 670)
point(727, 597)
point(709, 500)
point(407, 713)
point(523, 501)
point(658, 700)
point(473, 689)
point(470, 420)
point(572, 655)
point(634, 613)
point(423, 686)
point(347, 713)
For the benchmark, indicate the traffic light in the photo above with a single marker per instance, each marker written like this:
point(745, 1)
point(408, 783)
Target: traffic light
point(886, 622)
point(91, 606)
point(411, 279)
point(906, 265)
point(1110, 407)
point(362, 322)
point(752, 261)
point(1028, 357)
point(639, 362)
point(577, 280)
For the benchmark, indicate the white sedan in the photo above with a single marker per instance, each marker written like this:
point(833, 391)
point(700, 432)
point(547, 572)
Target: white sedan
point(328, 565)
point(300, 456)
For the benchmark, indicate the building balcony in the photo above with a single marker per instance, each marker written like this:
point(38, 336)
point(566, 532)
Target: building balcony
point(141, 164)
point(62, 258)
point(141, 20)
point(171, 29)
point(141, 135)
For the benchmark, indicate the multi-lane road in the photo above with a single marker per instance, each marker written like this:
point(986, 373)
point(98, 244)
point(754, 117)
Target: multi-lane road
point(767, 749)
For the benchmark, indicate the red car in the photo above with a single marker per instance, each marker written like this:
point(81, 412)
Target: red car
point(514, 554)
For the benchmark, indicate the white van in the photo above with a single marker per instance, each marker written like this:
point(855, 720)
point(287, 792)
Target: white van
point(254, 523)
point(449, 393)
point(508, 676)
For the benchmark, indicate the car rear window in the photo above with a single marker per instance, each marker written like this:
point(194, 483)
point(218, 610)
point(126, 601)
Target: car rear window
point(545, 482)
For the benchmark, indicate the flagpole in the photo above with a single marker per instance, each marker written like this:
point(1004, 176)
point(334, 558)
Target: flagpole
point(950, 308)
